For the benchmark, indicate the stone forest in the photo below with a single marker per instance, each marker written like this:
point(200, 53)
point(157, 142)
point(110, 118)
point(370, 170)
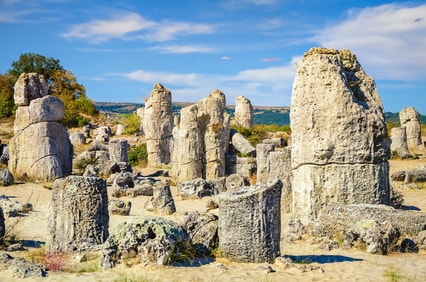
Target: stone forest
point(209, 201)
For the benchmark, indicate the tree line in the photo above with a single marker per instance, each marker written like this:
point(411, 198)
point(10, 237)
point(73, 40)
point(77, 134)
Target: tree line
point(62, 84)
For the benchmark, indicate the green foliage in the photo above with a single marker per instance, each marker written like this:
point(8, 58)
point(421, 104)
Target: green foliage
point(7, 103)
point(180, 252)
point(138, 155)
point(32, 62)
point(81, 164)
point(258, 132)
point(62, 84)
point(132, 123)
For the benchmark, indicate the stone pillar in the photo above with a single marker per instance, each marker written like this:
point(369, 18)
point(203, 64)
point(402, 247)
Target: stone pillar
point(158, 126)
point(243, 112)
point(262, 160)
point(118, 150)
point(280, 168)
point(78, 214)
point(409, 118)
point(399, 142)
point(340, 144)
point(202, 139)
point(250, 223)
point(40, 149)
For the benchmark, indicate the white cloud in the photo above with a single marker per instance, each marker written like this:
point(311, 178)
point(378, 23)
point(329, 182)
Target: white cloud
point(182, 49)
point(131, 26)
point(225, 58)
point(270, 24)
point(270, 60)
point(389, 40)
point(103, 30)
point(264, 86)
point(168, 30)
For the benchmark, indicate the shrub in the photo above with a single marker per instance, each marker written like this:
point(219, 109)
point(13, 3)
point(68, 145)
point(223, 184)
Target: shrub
point(138, 155)
point(132, 124)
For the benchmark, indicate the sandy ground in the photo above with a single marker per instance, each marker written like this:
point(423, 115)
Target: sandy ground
point(318, 265)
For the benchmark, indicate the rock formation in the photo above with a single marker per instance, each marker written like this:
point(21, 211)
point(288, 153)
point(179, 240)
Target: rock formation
point(399, 144)
point(158, 126)
point(243, 112)
point(147, 240)
point(40, 148)
point(202, 139)
point(250, 223)
point(340, 145)
point(78, 214)
point(409, 118)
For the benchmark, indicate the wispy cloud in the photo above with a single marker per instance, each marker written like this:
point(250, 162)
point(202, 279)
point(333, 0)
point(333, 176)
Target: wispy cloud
point(225, 58)
point(389, 40)
point(256, 84)
point(132, 26)
point(270, 60)
point(270, 24)
point(103, 30)
point(182, 49)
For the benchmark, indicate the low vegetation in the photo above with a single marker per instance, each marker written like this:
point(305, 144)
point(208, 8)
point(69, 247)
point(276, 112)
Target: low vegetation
point(138, 155)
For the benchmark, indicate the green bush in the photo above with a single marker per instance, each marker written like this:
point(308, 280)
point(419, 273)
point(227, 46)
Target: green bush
point(132, 123)
point(138, 154)
point(258, 132)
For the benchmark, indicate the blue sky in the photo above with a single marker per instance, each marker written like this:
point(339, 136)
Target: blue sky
point(119, 49)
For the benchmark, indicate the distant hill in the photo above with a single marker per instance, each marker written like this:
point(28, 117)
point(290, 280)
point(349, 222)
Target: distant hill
point(262, 114)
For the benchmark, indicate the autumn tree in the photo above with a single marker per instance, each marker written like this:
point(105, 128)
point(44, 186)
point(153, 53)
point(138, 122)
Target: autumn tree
point(62, 84)
point(7, 103)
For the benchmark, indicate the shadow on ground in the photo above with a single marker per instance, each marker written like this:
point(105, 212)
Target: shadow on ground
point(305, 259)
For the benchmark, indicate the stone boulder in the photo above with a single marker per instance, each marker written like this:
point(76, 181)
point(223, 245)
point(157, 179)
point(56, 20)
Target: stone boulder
point(196, 188)
point(202, 139)
point(202, 228)
point(241, 144)
point(399, 143)
point(119, 207)
point(250, 223)
point(158, 126)
point(421, 240)
point(340, 145)
point(4, 153)
point(78, 216)
point(410, 119)
point(162, 202)
point(243, 115)
point(28, 87)
point(6, 178)
point(235, 181)
point(410, 178)
point(146, 239)
point(102, 134)
point(77, 138)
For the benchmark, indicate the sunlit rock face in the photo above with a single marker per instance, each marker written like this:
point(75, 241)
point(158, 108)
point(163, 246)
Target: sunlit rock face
point(340, 144)
point(40, 148)
point(202, 139)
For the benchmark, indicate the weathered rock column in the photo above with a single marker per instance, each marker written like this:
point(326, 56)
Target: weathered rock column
point(243, 112)
point(399, 142)
point(118, 150)
point(202, 139)
point(409, 118)
point(158, 126)
point(40, 148)
point(250, 223)
point(340, 144)
point(262, 160)
point(280, 168)
point(78, 214)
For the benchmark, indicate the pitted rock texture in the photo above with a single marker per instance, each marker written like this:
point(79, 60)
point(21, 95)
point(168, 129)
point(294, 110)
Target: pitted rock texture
point(158, 126)
point(250, 223)
point(202, 139)
point(340, 144)
point(78, 214)
point(410, 119)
